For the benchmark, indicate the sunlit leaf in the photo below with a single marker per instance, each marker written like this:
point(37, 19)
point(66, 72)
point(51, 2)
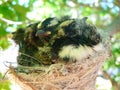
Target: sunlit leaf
point(4, 43)
point(0, 75)
point(20, 12)
point(7, 12)
point(5, 85)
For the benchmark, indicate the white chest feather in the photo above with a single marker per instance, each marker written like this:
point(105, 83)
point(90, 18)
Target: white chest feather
point(76, 53)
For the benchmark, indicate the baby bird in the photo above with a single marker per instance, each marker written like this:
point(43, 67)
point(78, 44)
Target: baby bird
point(78, 41)
point(71, 39)
point(57, 39)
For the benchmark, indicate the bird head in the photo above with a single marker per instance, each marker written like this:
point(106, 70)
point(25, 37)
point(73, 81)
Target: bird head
point(47, 27)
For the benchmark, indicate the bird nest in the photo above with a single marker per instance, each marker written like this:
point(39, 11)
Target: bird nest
point(79, 75)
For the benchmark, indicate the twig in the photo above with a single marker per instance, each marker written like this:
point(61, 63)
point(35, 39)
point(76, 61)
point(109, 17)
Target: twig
point(113, 82)
point(32, 58)
point(5, 74)
point(10, 21)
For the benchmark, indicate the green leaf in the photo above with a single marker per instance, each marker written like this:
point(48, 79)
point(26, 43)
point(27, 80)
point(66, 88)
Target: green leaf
point(106, 65)
point(0, 75)
point(20, 12)
point(5, 85)
point(7, 12)
point(4, 43)
point(2, 32)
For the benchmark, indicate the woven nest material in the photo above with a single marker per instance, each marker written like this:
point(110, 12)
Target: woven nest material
point(71, 76)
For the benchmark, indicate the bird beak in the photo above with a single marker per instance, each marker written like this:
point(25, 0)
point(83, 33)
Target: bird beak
point(41, 33)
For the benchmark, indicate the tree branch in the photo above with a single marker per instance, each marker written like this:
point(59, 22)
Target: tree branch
point(10, 21)
point(107, 76)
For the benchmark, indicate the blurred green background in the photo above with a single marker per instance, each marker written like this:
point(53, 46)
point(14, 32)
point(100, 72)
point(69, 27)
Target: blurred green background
point(105, 14)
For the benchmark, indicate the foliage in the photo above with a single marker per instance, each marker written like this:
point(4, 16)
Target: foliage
point(114, 62)
point(4, 84)
point(11, 11)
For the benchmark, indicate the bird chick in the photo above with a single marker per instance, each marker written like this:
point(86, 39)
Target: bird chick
point(78, 40)
point(69, 39)
point(55, 39)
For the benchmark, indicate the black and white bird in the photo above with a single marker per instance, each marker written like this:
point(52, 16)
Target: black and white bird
point(66, 39)
point(70, 39)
